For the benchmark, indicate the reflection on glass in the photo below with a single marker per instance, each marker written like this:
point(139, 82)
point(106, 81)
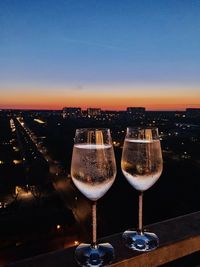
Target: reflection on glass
point(93, 172)
point(142, 166)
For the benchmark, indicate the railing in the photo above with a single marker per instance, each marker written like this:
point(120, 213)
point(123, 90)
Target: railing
point(179, 237)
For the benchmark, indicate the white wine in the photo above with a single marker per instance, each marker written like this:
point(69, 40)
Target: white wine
point(141, 162)
point(93, 169)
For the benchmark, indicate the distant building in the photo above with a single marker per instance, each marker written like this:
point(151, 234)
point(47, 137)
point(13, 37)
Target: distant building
point(72, 113)
point(93, 112)
point(135, 112)
point(193, 112)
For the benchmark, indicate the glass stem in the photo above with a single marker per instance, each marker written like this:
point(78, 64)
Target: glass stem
point(94, 224)
point(140, 226)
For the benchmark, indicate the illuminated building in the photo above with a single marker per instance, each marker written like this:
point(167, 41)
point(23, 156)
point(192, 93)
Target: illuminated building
point(72, 112)
point(93, 112)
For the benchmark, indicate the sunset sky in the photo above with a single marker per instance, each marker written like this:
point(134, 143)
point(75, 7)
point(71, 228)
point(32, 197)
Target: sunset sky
point(100, 53)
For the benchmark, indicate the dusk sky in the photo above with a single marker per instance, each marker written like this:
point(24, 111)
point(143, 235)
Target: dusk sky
point(100, 53)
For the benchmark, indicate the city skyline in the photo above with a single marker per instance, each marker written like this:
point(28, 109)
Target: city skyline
point(179, 99)
point(108, 54)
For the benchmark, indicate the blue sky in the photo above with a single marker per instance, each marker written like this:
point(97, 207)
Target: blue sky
point(48, 44)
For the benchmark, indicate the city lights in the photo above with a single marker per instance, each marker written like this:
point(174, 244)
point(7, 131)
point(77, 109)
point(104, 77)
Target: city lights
point(40, 155)
point(39, 121)
point(58, 226)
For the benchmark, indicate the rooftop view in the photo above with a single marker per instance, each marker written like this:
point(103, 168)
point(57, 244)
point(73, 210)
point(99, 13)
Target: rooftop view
point(67, 65)
point(39, 201)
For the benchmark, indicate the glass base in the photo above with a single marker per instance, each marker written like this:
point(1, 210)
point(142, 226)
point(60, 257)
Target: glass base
point(100, 255)
point(140, 241)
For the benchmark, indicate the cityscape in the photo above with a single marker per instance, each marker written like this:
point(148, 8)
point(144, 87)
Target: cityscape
point(103, 65)
point(40, 208)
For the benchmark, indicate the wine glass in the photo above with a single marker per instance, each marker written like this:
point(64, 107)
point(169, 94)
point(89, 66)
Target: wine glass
point(93, 172)
point(142, 166)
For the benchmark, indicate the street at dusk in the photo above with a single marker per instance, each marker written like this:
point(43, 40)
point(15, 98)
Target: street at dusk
point(99, 133)
point(36, 151)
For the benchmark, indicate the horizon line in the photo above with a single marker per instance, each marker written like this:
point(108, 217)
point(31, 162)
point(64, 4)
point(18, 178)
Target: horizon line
point(57, 109)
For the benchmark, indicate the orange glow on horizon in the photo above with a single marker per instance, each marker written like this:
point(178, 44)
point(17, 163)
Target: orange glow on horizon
point(104, 97)
point(106, 104)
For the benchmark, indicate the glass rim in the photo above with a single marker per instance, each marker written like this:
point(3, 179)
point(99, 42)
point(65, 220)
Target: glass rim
point(92, 129)
point(142, 127)
point(145, 133)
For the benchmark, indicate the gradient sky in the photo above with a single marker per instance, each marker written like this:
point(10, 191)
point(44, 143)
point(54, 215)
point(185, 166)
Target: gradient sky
point(101, 53)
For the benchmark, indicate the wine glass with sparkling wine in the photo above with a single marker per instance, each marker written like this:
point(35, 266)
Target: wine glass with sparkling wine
point(142, 166)
point(93, 172)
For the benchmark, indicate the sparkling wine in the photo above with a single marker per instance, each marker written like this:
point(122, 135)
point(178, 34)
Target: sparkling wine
point(93, 169)
point(141, 162)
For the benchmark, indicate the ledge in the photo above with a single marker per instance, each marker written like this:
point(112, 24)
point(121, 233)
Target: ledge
point(179, 237)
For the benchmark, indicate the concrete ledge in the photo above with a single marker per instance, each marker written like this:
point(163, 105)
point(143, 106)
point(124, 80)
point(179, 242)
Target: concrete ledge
point(178, 237)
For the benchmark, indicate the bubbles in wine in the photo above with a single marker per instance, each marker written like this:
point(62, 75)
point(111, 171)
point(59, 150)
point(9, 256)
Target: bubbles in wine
point(142, 162)
point(93, 169)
